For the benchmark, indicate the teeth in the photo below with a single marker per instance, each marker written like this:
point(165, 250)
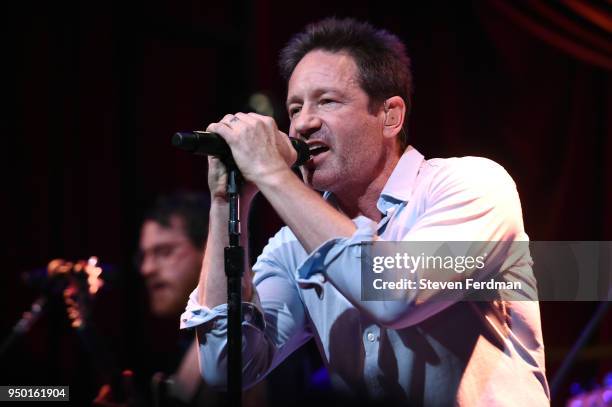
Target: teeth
point(318, 150)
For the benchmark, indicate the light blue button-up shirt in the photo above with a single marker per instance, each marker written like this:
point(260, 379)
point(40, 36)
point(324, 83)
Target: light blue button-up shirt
point(417, 350)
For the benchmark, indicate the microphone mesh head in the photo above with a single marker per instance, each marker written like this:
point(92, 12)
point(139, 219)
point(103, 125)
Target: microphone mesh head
point(303, 152)
point(184, 141)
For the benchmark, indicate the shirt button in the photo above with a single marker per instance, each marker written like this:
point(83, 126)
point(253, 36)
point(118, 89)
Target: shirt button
point(371, 337)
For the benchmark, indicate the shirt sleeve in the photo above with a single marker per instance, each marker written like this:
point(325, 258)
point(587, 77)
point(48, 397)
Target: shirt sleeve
point(472, 201)
point(274, 325)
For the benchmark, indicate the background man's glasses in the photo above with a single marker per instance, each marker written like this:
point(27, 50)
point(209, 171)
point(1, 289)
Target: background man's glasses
point(160, 254)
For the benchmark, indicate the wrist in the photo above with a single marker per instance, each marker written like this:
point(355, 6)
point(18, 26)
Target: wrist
point(218, 202)
point(219, 208)
point(275, 178)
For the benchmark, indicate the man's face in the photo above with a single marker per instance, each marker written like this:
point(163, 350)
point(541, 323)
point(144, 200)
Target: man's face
point(328, 107)
point(170, 265)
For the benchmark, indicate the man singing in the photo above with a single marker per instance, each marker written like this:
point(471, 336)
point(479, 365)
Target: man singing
point(349, 88)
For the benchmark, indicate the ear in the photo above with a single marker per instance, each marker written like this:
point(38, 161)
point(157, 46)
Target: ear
point(395, 113)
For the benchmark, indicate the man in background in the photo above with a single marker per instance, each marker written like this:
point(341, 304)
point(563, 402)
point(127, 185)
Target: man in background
point(169, 258)
point(171, 248)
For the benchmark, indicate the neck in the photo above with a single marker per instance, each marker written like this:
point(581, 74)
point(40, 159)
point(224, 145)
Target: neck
point(361, 199)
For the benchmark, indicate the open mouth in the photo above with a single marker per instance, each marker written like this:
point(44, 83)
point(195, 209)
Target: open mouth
point(318, 149)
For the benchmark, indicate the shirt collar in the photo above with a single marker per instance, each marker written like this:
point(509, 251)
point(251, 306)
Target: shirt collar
point(400, 184)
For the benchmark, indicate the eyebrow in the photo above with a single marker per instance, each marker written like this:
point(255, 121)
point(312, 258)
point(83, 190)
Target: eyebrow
point(316, 92)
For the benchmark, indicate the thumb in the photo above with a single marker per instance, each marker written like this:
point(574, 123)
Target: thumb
point(286, 149)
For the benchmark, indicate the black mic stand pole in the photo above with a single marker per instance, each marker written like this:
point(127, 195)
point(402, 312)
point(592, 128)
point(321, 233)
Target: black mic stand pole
point(234, 268)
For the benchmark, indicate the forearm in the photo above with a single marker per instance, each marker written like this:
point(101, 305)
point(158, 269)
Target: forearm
point(312, 220)
point(212, 287)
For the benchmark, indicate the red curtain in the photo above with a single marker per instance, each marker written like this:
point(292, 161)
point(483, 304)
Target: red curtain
point(582, 29)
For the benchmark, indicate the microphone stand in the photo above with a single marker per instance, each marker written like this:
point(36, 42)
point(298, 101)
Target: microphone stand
point(234, 268)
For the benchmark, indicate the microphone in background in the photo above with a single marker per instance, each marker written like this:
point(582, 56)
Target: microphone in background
point(207, 143)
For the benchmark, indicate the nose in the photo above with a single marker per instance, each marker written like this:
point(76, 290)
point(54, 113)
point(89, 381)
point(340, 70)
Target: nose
point(306, 123)
point(148, 266)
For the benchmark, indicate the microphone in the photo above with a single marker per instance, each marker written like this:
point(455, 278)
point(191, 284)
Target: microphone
point(207, 143)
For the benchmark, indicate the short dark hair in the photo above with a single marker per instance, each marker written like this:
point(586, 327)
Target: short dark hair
point(192, 207)
point(384, 66)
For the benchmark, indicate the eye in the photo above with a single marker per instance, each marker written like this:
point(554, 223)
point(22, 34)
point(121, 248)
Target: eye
point(163, 250)
point(294, 110)
point(327, 102)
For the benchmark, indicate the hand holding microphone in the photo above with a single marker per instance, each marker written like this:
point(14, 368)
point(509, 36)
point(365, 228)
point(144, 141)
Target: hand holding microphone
point(251, 142)
point(207, 143)
point(215, 144)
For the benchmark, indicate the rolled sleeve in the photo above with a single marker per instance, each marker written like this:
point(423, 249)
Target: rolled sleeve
point(196, 314)
point(326, 254)
point(211, 329)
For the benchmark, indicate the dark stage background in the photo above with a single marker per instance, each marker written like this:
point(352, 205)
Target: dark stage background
point(96, 89)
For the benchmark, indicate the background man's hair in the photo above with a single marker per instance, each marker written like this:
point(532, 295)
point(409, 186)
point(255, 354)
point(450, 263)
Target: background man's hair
point(384, 66)
point(192, 207)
